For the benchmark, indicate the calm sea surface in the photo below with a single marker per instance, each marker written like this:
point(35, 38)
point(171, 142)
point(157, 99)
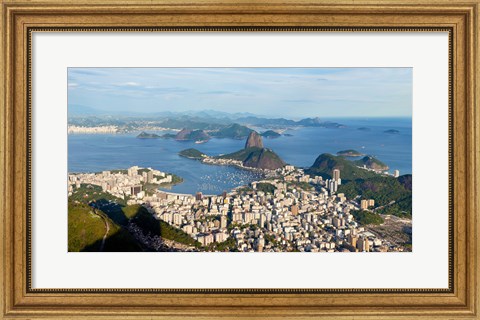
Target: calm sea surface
point(98, 152)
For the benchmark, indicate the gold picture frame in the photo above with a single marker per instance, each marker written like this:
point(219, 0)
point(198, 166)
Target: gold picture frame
point(21, 18)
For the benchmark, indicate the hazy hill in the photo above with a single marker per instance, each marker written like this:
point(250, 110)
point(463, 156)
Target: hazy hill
point(371, 163)
point(234, 131)
point(392, 195)
point(194, 135)
point(317, 122)
point(325, 163)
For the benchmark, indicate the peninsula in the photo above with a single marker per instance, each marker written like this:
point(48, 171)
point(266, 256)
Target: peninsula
point(253, 156)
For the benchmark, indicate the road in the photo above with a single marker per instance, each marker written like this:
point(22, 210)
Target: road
point(107, 229)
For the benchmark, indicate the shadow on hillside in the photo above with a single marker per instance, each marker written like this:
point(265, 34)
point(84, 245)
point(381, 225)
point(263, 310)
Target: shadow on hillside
point(121, 241)
point(113, 210)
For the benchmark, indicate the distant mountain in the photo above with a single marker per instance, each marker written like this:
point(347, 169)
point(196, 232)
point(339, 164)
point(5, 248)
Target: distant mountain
point(307, 122)
point(80, 110)
point(233, 131)
point(168, 136)
point(219, 124)
point(189, 123)
point(255, 120)
point(270, 134)
point(325, 163)
point(254, 140)
point(317, 122)
point(371, 163)
point(193, 135)
point(144, 135)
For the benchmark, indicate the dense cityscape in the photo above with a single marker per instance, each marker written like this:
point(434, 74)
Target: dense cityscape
point(289, 211)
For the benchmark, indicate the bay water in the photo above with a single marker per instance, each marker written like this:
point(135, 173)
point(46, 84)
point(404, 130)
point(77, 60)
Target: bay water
point(98, 152)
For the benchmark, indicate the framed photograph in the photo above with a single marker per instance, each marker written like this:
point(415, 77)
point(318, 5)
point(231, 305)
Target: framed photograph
point(240, 160)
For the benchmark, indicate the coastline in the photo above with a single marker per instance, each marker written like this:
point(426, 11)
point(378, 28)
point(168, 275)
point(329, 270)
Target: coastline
point(230, 163)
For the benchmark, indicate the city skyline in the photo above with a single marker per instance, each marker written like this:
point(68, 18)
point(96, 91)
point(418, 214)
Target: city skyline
point(290, 92)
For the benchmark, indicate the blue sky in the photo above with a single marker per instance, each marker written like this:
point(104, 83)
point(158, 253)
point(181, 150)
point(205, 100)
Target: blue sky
point(275, 92)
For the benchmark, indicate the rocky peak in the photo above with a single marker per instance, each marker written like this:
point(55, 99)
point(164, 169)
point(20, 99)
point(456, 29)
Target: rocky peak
point(254, 140)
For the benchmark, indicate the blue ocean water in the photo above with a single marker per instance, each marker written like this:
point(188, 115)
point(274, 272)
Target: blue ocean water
point(97, 152)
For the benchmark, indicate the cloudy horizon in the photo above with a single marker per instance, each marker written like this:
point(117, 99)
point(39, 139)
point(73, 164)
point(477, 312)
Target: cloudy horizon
point(273, 92)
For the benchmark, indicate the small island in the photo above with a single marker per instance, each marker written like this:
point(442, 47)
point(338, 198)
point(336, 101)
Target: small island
point(363, 129)
point(270, 134)
point(392, 131)
point(192, 154)
point(349, 153)
point(144, 135)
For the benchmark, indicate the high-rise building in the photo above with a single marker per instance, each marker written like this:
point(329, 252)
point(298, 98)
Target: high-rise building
point(260, 244)
point(223, 222)
point(371, 202)
point(220, 236)
point(134, 190)
point(177, 219)
point(198, 196)
point(352, 240)
point(149, 176)
point(396, 173)
point(262, 220)
point(363, 244)
point(333, 186)
point(208, 239)
point(364, 204)
point(237, 217)
point(133, 171)
point(336, 176)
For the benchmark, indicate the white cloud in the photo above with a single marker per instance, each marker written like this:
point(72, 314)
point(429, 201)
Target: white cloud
point(129, 84)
